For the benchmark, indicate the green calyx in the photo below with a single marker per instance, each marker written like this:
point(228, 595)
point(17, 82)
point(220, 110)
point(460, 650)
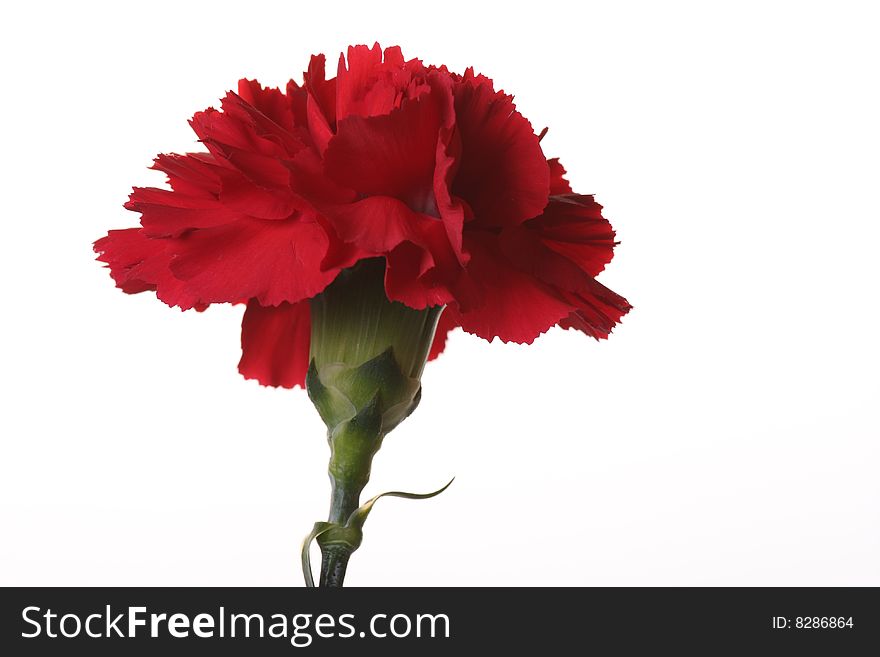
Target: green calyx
point(367, 353)
point(367, 358)
point(370, 398)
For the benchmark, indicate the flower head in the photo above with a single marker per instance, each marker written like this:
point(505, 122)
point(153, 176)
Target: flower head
point(433, 172)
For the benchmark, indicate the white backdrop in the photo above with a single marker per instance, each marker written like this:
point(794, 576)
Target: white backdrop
point(726, 434)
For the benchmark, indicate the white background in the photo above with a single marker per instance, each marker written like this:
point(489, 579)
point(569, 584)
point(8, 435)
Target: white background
point(726, 434)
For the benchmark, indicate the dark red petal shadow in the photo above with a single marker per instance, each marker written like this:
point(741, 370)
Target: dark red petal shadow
point(503, 174)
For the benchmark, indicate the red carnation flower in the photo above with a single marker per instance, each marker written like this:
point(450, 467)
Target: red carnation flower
point(434, 172)
point(360, 219)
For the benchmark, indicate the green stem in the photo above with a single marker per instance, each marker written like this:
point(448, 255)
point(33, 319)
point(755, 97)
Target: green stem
point(334, 561)
point(344, 499)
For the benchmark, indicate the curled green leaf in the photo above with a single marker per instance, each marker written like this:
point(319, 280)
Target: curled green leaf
point(317, 530)
point(359, 516)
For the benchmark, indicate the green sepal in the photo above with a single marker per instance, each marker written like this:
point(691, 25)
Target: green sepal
point(333, 406)
point(366, 424)
point(340, 393)
point(380, 373)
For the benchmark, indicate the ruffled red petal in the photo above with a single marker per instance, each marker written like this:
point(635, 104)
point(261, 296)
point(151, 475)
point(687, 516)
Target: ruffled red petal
point(196, 174)
point(321, 90)
point(319, 110)
point(373, 85)
point(390, 155)
point(264, 200)
point(452, 211)
point(504, 301)
point(416, 247)
point(558, 183)
point(270, 261)
point(312, 186)
point(169, 213)
point(218, 129)
point(268, 103)
point(565, 247)
point(129, 255)
point(571, 240)
point(275, 344)
point(503, 174)
point(448, 154)
point(272, 119)
point(377, 224)
point(574, 227)
point(258, 152)
point(598, 310)
point(413, 278)
point(138, 264)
